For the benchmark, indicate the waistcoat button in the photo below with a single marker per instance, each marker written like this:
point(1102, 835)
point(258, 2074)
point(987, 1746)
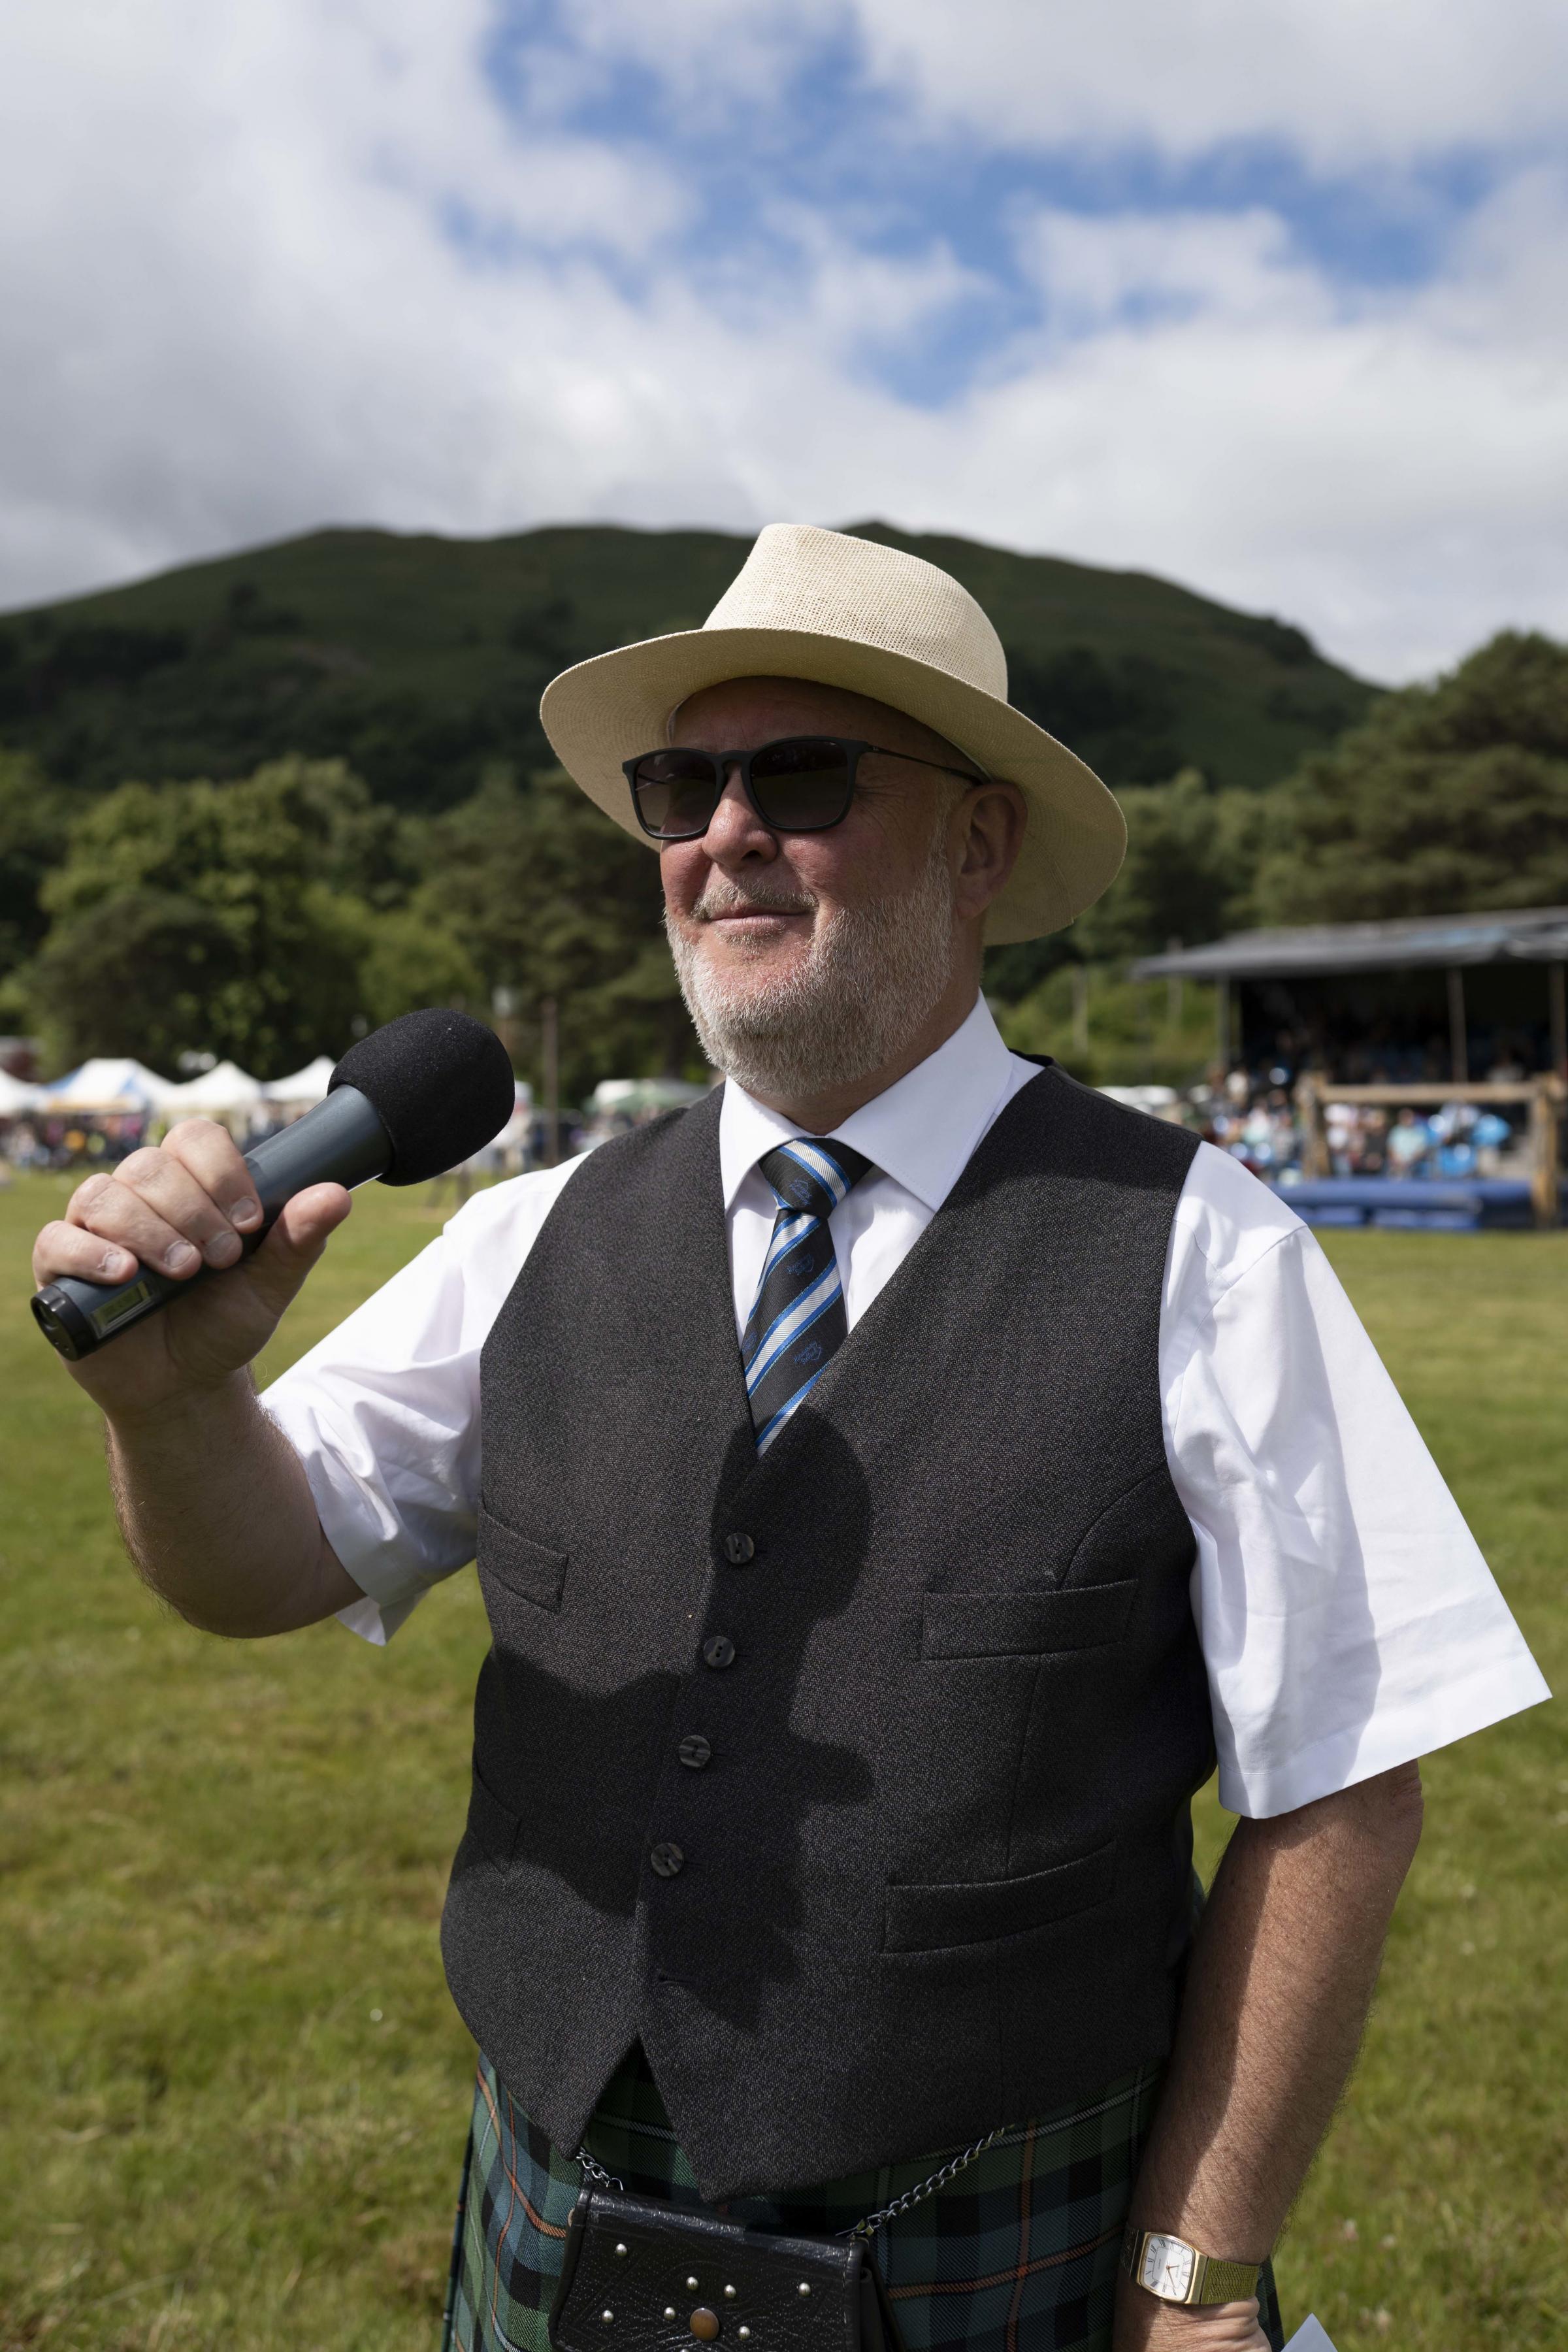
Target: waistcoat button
point(695, 1750)
point(718, 1651)
point(739, 1550)
point(668, 1860)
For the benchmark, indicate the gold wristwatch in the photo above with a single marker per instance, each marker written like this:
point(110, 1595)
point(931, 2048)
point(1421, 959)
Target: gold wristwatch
point(1176, 2272)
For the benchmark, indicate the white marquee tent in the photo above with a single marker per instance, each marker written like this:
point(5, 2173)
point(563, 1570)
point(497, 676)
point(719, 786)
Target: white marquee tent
point(16, 1096)
point(215, 1094)
point(304, 1088)
point(106, 1084)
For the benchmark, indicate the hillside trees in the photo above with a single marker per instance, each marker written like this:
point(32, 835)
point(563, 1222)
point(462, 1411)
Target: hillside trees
point(271, 919)
point(241, 919)
point(1191, 853)
point(1450, 797)
point(419, 660)
point(268, 918)
point(1191, 856)
point(35, 822)
point(552, 901)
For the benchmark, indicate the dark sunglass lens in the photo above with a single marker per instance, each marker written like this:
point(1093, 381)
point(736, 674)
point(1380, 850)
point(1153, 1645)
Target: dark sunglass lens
point(676, 792)
point(803, 785)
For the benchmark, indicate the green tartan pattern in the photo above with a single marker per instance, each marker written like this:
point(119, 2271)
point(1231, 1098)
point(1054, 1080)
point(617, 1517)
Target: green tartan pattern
point(1018, 2254)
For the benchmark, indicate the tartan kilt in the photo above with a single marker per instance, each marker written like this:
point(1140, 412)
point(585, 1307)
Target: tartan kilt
point(1018, 2254)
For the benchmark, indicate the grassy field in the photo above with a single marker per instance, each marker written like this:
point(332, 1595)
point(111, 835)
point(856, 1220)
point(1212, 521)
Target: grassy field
point(232, 2090)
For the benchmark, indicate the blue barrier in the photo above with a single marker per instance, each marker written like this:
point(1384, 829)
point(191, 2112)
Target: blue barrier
point(1414, 1203)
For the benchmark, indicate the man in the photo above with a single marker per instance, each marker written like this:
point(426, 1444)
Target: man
point(830, 1827)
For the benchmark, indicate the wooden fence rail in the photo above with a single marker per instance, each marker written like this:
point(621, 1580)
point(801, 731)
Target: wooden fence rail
point(1545, 1096)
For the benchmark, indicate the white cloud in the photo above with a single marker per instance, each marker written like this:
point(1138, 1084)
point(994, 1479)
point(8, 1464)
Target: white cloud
point(233, 312)
point(1392, 470)
point(1342, 82)
point(1095, 273)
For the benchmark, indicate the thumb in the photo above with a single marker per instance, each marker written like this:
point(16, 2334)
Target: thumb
point(295, 1242)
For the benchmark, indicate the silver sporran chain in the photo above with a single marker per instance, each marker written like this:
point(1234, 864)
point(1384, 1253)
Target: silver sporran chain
point(869, 2226)
point(596, 2172)
point(950, 2171)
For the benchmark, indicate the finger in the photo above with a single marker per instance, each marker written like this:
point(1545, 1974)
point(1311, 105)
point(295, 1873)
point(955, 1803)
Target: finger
point(212, 1156)
point(117, 1212)
point(62, 1249)
point(171, 1192)
point(297, 1241)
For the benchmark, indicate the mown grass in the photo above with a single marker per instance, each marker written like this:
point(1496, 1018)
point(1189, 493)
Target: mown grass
point(232, 2089)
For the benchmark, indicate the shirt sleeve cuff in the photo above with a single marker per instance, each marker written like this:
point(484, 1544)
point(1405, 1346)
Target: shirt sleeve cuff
point(1395, 1734)
point(364, 1535)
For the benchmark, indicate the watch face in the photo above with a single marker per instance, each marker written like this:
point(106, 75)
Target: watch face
point(1167, 2267)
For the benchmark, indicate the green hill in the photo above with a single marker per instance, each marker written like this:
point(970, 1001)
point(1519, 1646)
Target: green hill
point(420, 660)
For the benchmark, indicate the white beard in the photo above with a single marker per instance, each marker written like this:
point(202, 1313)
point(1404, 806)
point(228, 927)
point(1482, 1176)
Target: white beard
point(870, 981)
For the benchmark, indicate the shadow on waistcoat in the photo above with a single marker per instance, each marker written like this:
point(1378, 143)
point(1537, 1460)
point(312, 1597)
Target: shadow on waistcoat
point(581, 1783)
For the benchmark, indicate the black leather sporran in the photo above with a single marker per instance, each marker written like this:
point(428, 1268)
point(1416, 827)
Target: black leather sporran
point(643, 2277)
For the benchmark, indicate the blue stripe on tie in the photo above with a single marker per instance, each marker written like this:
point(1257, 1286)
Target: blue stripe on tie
point(789, 1325)
point(784, 1239)
point(796, 1186)
point(796, 1271)
point(758, 1379)
point(770, 1430)
point(817, 1162)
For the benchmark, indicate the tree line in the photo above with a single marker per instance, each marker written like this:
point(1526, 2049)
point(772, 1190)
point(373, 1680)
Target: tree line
point(272, 916)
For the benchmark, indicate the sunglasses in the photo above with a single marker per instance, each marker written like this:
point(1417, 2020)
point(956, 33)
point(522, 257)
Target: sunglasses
point(802, 784)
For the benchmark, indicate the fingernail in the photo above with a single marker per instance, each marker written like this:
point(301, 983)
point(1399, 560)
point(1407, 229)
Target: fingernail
point(223, 1249)
point(246, 1213)
point(118, 1266)
point(180, 1258)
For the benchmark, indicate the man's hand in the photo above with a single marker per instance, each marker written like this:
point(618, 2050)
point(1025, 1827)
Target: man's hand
point(213, 1501)
point(186, 1205)
point(1144, 2324)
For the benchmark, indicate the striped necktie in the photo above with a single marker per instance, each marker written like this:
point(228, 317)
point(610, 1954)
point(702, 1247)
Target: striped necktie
point(798, 1319)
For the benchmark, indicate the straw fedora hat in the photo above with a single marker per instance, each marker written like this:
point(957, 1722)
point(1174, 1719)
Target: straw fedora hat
point(846, 612)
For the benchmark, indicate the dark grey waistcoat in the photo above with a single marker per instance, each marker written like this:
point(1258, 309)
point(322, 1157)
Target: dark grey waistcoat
point(855, 1780)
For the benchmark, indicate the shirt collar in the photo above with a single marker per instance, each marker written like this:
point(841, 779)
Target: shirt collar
point(921, 1132)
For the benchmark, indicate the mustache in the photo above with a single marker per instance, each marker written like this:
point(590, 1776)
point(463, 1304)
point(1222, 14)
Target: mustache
point(720, 895)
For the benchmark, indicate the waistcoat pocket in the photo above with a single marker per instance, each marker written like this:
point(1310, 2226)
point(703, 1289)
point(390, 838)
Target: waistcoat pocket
point(529, 1569)
point(1023, 1625)
point(982, 1911)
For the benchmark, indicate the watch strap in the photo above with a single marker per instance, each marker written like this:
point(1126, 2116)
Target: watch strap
point(1222, 2282)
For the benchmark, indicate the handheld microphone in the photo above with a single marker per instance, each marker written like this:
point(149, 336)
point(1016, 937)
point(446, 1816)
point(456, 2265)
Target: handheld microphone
point(405, 1104)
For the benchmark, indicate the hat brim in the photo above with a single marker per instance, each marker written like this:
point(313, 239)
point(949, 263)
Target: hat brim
point(605, 711)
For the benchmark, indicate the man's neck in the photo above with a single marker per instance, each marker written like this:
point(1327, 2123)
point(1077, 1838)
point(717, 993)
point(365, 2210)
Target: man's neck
point(822, 1110)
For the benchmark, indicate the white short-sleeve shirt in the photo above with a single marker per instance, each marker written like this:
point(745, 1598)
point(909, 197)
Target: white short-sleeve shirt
point(1348, 1621)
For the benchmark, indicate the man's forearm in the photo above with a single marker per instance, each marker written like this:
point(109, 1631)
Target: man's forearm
point(218, 1515)
point(1278, 1993)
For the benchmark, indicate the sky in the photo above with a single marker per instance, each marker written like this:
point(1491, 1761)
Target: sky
point(1269, 297)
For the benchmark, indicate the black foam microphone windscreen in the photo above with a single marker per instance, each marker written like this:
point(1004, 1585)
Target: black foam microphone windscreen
point(441, 1084)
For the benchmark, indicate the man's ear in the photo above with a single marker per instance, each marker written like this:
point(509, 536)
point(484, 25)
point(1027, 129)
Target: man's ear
point(993, 818)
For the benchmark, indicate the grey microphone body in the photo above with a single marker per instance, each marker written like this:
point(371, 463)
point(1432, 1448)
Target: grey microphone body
point(406, 1103)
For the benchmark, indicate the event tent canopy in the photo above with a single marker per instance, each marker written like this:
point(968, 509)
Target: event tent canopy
point(307, 1085)
point(223, 1088)
point(107, 1084)
point(15, 1095)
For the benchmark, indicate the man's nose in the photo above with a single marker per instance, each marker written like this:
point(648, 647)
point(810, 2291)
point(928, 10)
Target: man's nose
point(735, 831)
